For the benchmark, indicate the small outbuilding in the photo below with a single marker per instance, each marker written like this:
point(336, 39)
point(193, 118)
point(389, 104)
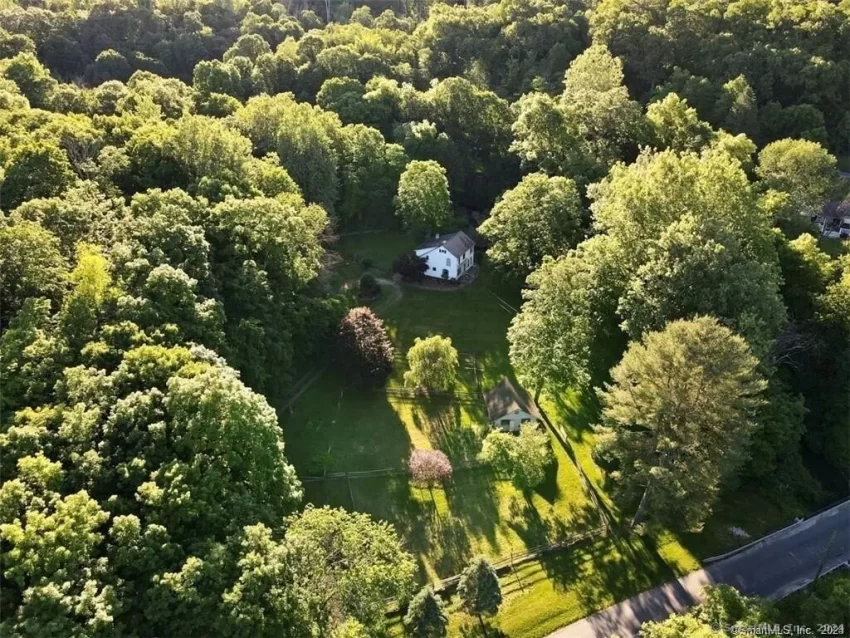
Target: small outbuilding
point(447, 256)
point(509, 407)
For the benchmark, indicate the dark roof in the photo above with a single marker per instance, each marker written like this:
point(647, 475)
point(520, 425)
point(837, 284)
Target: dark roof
point(505, 398)
point(837, 208)
point(456, 243)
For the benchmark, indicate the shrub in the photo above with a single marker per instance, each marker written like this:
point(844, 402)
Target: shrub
point(410, 266)
point(369, 288)
point(364, 350)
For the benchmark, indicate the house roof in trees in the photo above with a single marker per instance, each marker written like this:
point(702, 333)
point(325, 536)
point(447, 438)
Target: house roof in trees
point(456, 243)
point(837, 208)
point(505, 398)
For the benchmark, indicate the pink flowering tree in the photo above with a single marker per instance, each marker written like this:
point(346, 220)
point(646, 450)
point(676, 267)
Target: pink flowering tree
point(428, 467)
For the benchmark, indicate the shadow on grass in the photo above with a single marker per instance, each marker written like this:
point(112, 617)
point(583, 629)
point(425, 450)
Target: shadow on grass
point(472, 499)
point(549, 489)
point(428, 529)
point(606, 570)
point(580, 410)
point(535, 529)
point(446, 431)
point(332, 428)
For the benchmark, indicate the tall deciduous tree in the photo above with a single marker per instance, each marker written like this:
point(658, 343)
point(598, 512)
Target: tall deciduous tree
point(568, 311)
point(676, 126)
point(698, 268)
point(422, 202)
point(524, 458)
point(363, 347)
point(540, 216)
point(35, 169)
point(433, 364)
point(349, 565)
point(803, 169)
point(678, 416)
point(30, 266)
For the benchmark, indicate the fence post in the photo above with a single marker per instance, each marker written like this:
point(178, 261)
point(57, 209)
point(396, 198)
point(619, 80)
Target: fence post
point(518, 581)
point(350, 491)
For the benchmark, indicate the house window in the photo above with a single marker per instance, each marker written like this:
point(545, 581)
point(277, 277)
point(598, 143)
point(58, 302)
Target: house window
point(505, 423)
point(433, 268)
point(448, 262)
point(526, 421)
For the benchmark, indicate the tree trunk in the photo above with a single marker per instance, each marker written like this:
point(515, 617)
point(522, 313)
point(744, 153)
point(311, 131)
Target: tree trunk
point(641, 510)
point(537, 391)
point(481, 622)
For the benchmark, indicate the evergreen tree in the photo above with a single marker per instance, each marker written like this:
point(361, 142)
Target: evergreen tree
point(479, 590)
point(426, 615)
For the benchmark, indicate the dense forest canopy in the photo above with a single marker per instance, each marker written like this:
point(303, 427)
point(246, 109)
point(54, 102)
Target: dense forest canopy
point(172, 175)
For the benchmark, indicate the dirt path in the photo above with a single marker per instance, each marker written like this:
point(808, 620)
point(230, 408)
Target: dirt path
point(391, 294)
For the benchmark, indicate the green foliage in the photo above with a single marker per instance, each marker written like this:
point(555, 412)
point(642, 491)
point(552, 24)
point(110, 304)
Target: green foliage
point(32, 78)
point(33, 170)
point(803, 169)
point(724, 612)
point(426, 616)
point(433, 364)
point(31, 265)
point(678, 417)
point(677, 126)
point(541, 216)
point(636, 203)
point(422, 202)
point(350, 566)
point(478, 589)
point(697, 268)
point(568, 312)
point(524, 458)
point(363, 348)
point(164, 213)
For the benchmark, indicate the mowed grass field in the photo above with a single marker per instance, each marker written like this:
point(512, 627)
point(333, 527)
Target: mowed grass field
point(333, 427)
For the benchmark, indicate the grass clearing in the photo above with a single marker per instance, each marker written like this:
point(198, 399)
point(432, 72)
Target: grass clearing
point(334, 428)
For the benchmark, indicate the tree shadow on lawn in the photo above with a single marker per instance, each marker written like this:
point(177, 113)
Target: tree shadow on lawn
point(581, 410)
point(472, 498)
point(549, 489)
point(332, 428)
point(536, 529)
point(441, 419)
point(444, 537)
point(604, 571)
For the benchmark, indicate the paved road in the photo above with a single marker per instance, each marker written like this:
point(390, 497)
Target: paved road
point(773, 567)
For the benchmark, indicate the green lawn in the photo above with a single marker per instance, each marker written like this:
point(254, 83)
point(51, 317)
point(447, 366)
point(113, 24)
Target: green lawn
point(574, 415)
point(336, 428)
point(555, 590)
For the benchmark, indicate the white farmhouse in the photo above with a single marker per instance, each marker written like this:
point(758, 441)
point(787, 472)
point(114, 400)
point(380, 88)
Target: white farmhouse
point(448, 256)
point(509, 407)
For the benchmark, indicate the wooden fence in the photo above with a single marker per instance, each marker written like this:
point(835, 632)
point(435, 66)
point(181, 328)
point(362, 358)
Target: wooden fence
point(508, 564)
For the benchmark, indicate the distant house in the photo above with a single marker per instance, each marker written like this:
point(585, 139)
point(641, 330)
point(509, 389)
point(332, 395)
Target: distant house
point(508, 407)
point(448, 256)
